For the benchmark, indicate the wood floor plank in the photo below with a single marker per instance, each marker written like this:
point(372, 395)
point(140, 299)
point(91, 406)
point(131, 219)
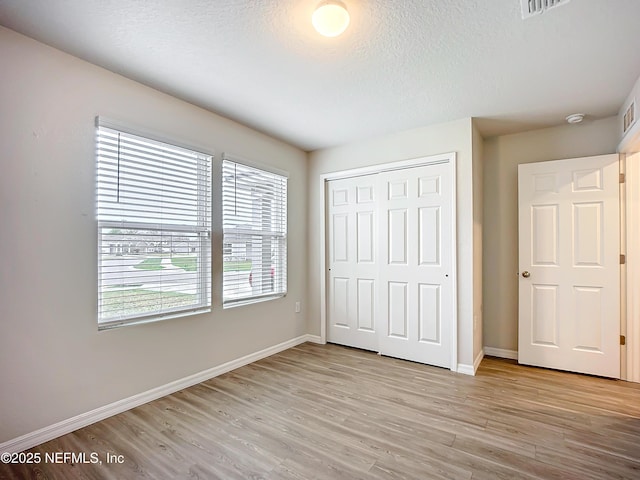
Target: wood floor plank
point(589, 464)
point(324, 412)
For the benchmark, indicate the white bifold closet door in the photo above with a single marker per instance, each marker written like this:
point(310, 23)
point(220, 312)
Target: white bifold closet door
point(353, 262)
point(390, 263)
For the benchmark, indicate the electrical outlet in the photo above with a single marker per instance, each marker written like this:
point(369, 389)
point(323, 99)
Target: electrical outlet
point(297, 307)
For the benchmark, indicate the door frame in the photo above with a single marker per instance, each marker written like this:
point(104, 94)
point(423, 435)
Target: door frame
point(449, 158)
point(630, 325)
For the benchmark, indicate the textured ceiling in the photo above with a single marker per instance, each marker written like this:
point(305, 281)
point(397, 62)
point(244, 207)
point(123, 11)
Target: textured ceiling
point(399, 65)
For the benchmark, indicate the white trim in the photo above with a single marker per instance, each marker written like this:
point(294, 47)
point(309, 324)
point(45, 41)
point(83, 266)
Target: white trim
point(471, 369)
point(390, 166)
point(251, 300)
point(69, 425)
point(315, 339)
point(478, 360)
point(128, 127)
point(142, 320)
point(454, 260)
point(323, 258)
point(622, 194)
point(631, 324)
point(501, 353)
point(230, 157)
point(465, 369)
point(451, 158)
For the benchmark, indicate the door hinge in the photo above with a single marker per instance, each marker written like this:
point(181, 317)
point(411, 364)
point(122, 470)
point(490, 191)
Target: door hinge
point(622, 178)
point(623, 259)
point(623, 340)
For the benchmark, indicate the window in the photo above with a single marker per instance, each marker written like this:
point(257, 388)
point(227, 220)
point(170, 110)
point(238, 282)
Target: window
point(154, 229)
point(254, 218)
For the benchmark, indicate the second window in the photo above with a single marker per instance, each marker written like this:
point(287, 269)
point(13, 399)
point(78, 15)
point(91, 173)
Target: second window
point(254, 218)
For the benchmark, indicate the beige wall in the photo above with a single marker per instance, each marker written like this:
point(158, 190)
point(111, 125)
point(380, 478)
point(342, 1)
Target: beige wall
point(450, 137)
point(502, 155)
point(54, 364)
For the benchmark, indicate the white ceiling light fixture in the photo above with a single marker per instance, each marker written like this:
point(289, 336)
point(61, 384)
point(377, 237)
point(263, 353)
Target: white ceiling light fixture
point(331, 18)
point(575, 118)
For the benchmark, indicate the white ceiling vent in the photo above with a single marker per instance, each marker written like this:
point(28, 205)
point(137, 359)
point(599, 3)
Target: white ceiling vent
point(531, 8)
point(629, 117)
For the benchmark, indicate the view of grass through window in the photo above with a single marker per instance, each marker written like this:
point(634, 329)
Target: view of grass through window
point(189, 264)
point(139, 300)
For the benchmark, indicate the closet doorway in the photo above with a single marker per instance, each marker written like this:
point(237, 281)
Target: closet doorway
point(390, 265)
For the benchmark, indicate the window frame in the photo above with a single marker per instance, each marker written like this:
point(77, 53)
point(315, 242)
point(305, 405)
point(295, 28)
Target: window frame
point(283, 264)
point(203, 231)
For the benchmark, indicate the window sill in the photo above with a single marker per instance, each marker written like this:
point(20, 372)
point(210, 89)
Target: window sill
point(152, 319)
point(250, 301)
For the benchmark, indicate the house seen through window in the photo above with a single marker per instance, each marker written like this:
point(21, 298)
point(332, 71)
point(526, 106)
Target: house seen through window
point(254, 217)
point(154, 229)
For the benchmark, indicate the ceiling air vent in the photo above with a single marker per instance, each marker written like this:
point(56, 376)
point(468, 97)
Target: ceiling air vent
point(531, 8)
point(629, 117)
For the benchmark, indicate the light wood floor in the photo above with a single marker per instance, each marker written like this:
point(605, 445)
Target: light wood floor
point(329, 412)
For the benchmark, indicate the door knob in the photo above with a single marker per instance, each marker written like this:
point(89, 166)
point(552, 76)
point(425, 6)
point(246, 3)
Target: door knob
point(526, 274)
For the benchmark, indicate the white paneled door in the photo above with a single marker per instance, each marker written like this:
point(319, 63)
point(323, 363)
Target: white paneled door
point(390, 263)
point(353, 269)
point(415, 212)
point(569, 245)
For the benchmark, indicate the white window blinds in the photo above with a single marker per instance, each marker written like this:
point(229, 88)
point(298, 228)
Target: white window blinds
point(154, 228)
point(254, 217)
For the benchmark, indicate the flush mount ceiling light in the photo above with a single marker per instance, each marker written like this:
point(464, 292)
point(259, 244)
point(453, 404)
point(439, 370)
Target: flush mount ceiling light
point(575, 118)
point(330, 18)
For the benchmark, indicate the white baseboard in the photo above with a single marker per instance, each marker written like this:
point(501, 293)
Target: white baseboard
point(69, 425)
point(471, 369)
point(466, 369)
point(501, 353)
point(315, 339)
point(478, 360)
